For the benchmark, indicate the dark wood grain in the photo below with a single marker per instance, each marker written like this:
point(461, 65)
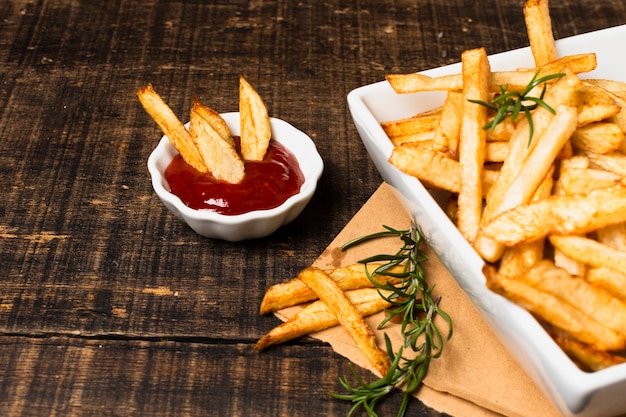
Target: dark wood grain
point(111, 306)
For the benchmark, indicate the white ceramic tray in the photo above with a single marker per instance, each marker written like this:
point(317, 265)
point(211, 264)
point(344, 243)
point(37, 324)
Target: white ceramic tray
point(575, 393)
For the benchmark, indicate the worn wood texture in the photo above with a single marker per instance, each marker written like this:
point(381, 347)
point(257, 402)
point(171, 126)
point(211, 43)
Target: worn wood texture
point(111, 306)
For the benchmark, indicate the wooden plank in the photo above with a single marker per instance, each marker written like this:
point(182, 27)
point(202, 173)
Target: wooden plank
point(57, 376)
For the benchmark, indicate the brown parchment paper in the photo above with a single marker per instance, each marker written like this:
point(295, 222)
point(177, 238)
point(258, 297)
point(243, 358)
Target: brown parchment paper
point(475, 376)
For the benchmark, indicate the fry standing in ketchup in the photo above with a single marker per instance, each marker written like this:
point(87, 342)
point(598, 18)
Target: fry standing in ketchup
point(266, 184)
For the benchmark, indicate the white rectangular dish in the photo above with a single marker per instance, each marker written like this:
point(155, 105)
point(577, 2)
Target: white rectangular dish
point(574, 392)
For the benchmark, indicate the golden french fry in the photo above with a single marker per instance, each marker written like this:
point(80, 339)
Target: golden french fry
point(428, 165)
point(216, 121)
point(595, 104)
point(558, 215)
point(539, 29)
point(613, 86)
point(515, 80)
point(294, 291)
point(256, 130)
point(347, 315)
point(590, 300)
point(426, 136)
point(587, 358)
point(447, 132)
point(555, 311)
point(584, 180)
point(598, 137)
point(577, 63)
point(540, 161)
point(414, 83)
point(316, 317)
point(569, 165)
point(614, 162)
point(473, 139)
point(571, 266)
point(219, 156)
point(517, 259)
point(171, 126)
point(615, 90)
point(610, 279)
point(415, 125)
point(614, 236)
point(496, 151)
point(590, 252)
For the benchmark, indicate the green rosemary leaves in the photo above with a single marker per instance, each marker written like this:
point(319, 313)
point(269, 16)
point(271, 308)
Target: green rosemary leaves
point(513, 103)
point(415, 307)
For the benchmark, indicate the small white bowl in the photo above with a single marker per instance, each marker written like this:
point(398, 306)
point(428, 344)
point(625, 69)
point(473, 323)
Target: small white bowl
point(574, 392)
point(254, 224)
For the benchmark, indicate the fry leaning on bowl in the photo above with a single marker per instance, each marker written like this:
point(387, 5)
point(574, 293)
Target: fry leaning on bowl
point(231, 176)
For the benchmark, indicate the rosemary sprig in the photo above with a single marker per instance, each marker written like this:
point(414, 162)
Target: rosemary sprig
point(515, 102)
point(412, 301)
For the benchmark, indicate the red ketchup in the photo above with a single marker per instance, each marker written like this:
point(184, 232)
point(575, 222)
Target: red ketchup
point(266, 184)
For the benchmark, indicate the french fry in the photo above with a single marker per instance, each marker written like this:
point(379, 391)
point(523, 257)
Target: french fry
point(588, 358)
point(219, 156)
point(256, 130)
point(347, 315)
point(539, 29)
point(515, 80)
point(415, 83)
point(614, 162)
point(517, 259)
point(537, 165)
point(294, 291)
point(598, 137)
point(561, 260)
point(216, 121)
point(615, 91)
point(590, 252)
point(584, 180)
point(578, 64)
point(427, 165)
point(613, 86)
point(447, 132)
point(590, 300)
point(473, 139)
point(610, 279)
point(614, 236)
point(419, 123)
point(558, 215)
point(316, 317)
point(426, 136)
point(553, 310)
point(496, 151)
point(595, 104)
point(171, 126)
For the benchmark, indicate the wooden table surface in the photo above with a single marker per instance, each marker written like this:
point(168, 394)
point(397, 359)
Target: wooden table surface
point(111, 306)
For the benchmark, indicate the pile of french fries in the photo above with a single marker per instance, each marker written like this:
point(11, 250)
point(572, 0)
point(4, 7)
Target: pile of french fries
point(339, 296)
point(547, 211)
point(208, 145)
